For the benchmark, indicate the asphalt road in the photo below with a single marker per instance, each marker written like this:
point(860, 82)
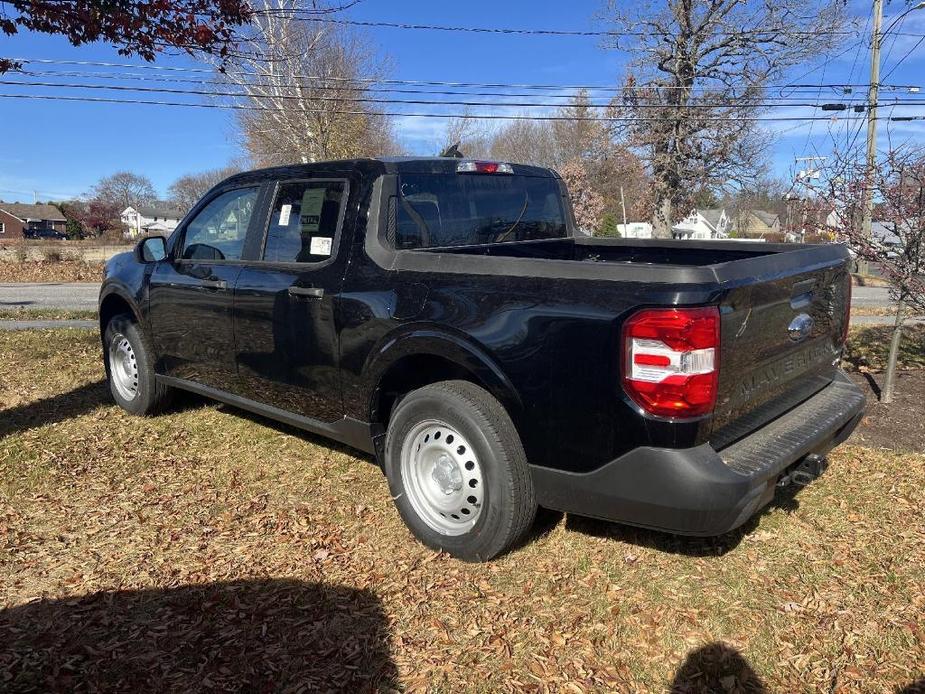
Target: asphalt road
point(65, 295)
point(871, 297)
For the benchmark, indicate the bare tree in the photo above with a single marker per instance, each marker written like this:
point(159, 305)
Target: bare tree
point(472, 136)
point(124, 189)
point(527, 142)
point(587, 204)
point(700, 70)
point(898, 249)
point(187, 190)
point(300, 83)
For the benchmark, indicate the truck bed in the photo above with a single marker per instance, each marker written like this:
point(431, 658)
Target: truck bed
point(650, 260)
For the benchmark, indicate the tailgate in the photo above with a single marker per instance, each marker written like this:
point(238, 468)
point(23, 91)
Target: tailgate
point(781, 341)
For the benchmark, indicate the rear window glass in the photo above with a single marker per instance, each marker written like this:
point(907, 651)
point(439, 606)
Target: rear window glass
point(464, 209)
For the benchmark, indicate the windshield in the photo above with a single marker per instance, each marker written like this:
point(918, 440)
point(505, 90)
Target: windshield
point(462, 209)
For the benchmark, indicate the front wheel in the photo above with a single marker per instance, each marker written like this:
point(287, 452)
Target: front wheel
point(458, 472)
point(130, 368)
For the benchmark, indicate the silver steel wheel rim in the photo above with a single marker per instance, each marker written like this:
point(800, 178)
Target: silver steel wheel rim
point(123, 367)
point(442, 477)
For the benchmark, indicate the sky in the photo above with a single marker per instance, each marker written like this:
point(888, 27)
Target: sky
point(58, 150)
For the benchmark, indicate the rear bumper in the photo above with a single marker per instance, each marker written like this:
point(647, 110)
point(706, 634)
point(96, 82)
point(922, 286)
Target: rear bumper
point(701, 491)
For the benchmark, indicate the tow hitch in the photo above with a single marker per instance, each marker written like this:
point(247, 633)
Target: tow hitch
point(811, 467)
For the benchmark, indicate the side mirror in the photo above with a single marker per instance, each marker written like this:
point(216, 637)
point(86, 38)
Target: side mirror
point(151, 249)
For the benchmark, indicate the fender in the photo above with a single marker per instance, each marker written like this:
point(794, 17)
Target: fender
point(116, 287)
point(432, 340)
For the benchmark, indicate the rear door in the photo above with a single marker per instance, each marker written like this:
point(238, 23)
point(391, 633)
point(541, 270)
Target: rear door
point(781, 341)
point(286, 342)
point(191, 293)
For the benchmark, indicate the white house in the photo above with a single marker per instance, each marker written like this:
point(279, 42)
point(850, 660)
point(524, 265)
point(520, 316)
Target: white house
point(154, 219)
point(635, 230)
point(703, 224)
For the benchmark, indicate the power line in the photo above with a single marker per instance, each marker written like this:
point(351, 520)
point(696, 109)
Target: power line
point(905, 56)
point(411, 102)
point(462, 116)
point(260, 81)
point(435, 83)
point(296, 14)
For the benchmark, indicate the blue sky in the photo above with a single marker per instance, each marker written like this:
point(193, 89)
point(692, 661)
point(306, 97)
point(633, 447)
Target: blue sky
point(60, 149)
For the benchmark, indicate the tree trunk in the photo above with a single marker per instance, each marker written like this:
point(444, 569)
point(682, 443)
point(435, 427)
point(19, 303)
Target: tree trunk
point(661, 218)
point(886, 396)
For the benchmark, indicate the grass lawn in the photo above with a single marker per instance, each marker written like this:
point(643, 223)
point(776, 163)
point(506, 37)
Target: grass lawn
point(207, 550)
point(28, 313)
point(50, 271)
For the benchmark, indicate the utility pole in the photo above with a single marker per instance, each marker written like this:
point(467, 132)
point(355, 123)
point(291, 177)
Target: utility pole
point(623, 205)
point(872, 95)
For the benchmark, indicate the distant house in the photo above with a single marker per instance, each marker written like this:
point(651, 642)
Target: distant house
point(758, 223)
point(885, 234)
point(154, 219)
point(635, 230)
point(19, 219)
point(703, 224)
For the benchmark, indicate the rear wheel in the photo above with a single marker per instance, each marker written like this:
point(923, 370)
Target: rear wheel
point(130, 368)
point(458, 472)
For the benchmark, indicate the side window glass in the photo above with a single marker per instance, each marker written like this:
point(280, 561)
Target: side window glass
point(303, 222)
point(218, 231)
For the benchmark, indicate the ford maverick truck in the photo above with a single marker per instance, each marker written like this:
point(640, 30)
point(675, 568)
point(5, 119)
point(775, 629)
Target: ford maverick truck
point(446, 317)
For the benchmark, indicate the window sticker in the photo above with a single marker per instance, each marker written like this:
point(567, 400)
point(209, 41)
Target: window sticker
point(284, 213)
point(310, 214)
point(321, 245)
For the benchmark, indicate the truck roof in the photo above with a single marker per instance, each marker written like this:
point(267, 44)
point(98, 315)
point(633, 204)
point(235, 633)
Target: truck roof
point(378, 166)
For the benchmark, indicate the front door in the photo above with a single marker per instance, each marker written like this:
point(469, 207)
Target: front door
point(284, 304)
point(192, 292)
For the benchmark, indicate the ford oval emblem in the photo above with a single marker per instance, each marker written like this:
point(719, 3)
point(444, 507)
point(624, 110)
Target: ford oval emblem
point(800, 327)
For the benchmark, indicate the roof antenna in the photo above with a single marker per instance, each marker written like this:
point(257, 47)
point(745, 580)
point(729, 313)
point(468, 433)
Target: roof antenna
point(452, 152)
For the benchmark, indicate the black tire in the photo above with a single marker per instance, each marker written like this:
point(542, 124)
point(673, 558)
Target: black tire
point(150, 397)
point(508, 506)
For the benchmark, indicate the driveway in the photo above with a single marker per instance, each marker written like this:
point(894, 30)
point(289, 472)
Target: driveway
point(64, 295)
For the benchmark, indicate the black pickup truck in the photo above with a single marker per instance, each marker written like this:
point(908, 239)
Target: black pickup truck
point(445, 316)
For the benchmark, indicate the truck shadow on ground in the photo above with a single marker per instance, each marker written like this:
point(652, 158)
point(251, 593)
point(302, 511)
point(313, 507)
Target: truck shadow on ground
point(54, 409)
point(785, 499)
point(273, 635)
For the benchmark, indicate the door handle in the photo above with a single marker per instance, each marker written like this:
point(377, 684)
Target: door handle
point(306, 292)
point(214, 284)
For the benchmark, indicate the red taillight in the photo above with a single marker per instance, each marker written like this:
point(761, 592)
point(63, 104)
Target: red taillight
point(671, 360)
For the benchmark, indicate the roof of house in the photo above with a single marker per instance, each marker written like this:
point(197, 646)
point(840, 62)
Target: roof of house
point(765, 217)
point(24, 211)
point(160, 210)
point(712, 216)
point(885, 232)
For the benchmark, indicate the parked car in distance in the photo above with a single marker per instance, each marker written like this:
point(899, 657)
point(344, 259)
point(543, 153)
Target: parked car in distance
point(443, 316)
point(47, 234)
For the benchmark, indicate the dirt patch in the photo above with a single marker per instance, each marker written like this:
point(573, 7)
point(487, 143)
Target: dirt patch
point(899, 426)
point(50, 271)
